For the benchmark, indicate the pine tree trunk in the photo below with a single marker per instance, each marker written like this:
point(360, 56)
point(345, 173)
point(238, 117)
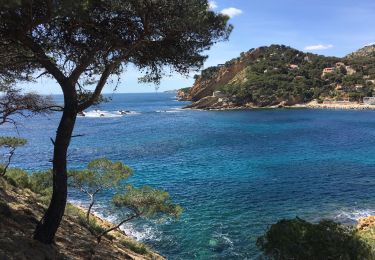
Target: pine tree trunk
point(92, 201)
point(47, 227)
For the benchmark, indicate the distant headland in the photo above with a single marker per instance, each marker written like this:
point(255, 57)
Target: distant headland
point(280, 76)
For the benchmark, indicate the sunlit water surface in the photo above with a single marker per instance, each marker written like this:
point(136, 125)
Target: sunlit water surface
point(233, 172)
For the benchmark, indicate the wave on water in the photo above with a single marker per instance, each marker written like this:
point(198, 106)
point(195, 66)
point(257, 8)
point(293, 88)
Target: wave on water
point(351, 216)
point(222, 245)
point(141, 232)
point(145, 232)
point(172, 110)
point(106, 114)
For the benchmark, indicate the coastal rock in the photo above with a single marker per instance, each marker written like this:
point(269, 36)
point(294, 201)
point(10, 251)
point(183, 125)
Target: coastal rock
point(224, 73)
point(181, 95)
point(365, 223)
point(205, 103)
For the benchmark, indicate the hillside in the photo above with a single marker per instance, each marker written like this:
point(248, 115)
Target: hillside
point(21, 209)
point(365, 52)
point(282, 76)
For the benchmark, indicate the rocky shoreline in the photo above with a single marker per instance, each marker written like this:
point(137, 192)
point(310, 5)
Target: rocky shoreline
point(218, 104)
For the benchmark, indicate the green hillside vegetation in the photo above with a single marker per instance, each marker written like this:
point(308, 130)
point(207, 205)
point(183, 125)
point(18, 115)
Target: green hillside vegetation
point(281, 73)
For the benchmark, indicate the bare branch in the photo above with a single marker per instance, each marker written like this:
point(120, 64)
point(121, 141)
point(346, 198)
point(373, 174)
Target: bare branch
point(13, 103)
point(44, 60)
point(99, 87)
point(42, 74)
point(11, 153)
point(99, 237)
point(73, 136)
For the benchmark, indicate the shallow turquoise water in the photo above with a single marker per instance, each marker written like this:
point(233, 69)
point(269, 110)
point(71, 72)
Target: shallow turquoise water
point(234, 172)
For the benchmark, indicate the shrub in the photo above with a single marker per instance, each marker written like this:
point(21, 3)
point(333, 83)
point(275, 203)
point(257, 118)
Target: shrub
point(368, 235)
point(18, 178)
point(299, 239)
point(91, 225)
point(41, 182)
point(135, 246)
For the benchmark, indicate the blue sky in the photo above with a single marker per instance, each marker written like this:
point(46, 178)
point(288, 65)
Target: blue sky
point(335, 27)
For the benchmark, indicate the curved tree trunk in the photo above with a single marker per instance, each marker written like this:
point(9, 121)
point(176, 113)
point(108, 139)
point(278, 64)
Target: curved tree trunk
point(92, 201)
point(47, 227)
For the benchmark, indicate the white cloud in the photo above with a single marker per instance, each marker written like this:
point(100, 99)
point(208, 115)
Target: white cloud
point(231, 11)
point(318, 47)
point(212, 5)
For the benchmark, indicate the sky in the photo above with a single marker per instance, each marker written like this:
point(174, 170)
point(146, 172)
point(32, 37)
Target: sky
point(334, 28)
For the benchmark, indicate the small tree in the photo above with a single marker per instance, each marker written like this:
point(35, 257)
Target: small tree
point(100, 174)
point(10, 144)
point(144, 202)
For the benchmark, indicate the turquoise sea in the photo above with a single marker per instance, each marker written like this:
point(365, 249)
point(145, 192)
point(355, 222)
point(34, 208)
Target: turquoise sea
point(233, 172)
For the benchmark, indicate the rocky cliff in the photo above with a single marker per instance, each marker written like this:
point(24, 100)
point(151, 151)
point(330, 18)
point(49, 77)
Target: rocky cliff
point(211, 78)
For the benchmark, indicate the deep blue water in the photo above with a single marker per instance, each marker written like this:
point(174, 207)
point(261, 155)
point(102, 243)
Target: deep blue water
point(233, 172)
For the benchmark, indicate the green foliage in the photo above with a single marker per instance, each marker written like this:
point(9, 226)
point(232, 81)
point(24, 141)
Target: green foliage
point(18, 178)
point(91, 225)
point(268, 80)
point(185, 90)
point(209, 72)
point(147, 202)
point(95, 34)
point(368, 235)
point(300, 240)
point(12, 142)
point(135, 246)
point(80, 215)
point(38, 182)
point(100, 174)
point(41, 182)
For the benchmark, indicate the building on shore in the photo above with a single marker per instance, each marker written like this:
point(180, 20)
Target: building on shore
point(327, 71)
